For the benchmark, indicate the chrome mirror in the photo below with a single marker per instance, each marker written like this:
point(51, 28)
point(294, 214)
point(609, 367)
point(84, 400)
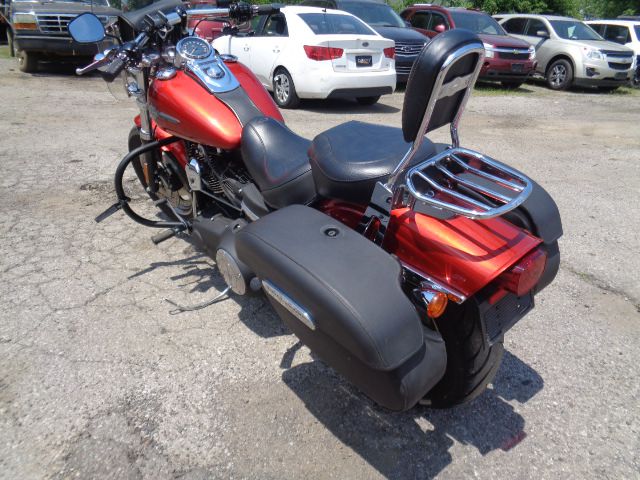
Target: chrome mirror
point(86, 28)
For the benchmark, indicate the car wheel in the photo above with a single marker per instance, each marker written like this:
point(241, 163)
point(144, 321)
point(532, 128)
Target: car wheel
point(27, 62)
point(368, 100)
point(560, 75)
point(284, 91)
point(512, 84)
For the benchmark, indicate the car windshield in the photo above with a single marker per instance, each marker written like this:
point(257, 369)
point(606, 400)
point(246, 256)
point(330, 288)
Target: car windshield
point(574, 30)
point(375, 14)
point(329, 24)
point(477, 23)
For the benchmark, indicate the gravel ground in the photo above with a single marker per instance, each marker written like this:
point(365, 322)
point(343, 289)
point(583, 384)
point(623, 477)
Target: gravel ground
point(99, 379)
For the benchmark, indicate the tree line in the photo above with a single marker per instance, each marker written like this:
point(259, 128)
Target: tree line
point(587, 9)
point(574, 8)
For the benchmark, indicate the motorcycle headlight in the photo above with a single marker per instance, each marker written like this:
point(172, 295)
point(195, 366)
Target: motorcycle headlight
point(593, 53)
point(532, 53)
point(489, 50)
point(24, 21)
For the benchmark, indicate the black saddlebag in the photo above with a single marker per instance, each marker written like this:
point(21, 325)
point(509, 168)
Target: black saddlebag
point(341, 295)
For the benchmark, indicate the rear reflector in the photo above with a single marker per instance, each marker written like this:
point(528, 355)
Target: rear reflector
point(322, 53)
point(390, 52)
point(525, 274)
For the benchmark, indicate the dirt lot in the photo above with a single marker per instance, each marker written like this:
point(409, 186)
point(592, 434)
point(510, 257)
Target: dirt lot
point(98, 379)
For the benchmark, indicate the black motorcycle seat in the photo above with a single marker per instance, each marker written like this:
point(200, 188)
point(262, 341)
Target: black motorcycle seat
point(348, 160)
point(277, 160)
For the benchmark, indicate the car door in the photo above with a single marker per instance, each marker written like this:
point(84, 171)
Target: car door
point(437, 25)
point(240, 44)
point(420, 21)
point(538, 34)
point(267, 47)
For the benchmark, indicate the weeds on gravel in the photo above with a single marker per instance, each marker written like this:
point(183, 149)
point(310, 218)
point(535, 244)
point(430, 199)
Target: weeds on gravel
point(4, 51)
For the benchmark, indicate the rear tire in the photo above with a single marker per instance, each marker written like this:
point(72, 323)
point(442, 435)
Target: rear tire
point(27, 61)
point(559, 75)
point(471, 362)
point(284, 91)
point(368, 100)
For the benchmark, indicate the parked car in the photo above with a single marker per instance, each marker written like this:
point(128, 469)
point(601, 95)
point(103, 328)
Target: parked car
point(624, 32)
point(39, 29)
point(308, 52)
point(384, 20)
point(570, 53)
point(507, 59)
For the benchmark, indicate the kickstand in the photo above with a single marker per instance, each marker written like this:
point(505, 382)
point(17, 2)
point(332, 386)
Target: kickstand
point(190, 308)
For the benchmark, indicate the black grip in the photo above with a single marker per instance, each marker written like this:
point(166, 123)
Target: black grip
point(240, 12)
point(113, 69)
point(162, 236)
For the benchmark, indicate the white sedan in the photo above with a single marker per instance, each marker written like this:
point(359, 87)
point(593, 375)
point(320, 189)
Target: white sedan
point(309, 52)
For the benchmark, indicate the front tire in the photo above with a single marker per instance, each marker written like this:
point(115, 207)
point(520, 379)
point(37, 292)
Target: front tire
point(368, 100)
point(180, 199)
point(27, 61)
point(471, 362)
point(284, 91)
point(560, 75)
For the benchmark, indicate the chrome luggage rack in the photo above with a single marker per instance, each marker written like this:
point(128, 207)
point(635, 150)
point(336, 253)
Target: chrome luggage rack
point(468, 183)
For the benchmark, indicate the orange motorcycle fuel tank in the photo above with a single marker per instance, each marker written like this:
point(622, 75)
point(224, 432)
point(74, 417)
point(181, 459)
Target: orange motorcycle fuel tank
point(184, 107)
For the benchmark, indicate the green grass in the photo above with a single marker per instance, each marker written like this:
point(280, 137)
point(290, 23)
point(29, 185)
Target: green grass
point(627, 91)
point(4, 51)
point(495, 90)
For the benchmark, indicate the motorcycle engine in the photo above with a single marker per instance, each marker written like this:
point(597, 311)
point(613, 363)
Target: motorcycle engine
point(222, 173)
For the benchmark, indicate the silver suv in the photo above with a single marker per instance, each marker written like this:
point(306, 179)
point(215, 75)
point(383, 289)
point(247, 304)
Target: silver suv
point(570, 53)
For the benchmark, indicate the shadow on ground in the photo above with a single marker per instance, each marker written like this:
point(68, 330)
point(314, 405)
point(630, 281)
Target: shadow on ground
point(200, 275)
point(415, 444)
point(342, 106)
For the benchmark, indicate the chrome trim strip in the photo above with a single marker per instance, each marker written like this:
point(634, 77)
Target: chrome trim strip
point(515, 51)
point(292, 307)
point(435, 285)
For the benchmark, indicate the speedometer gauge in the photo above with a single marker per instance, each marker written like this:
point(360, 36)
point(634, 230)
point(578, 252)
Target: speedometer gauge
point(193, 48)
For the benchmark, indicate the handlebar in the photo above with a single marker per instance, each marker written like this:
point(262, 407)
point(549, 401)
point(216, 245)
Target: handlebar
point(114, 69)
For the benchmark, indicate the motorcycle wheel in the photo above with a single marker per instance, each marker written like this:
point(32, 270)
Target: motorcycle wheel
point(179, 199)
point(471, 362)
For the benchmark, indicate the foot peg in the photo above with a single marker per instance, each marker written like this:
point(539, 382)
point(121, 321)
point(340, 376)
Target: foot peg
point(111, 210)
point(165, 235)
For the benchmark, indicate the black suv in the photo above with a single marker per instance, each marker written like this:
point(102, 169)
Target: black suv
point(386, 22)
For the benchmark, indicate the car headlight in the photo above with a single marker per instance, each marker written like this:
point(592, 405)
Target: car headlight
point(532, 53)
point(489, 50)
point(24, 21)
point(593, 53)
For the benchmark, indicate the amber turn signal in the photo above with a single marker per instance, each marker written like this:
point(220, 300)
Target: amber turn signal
point(436, 302)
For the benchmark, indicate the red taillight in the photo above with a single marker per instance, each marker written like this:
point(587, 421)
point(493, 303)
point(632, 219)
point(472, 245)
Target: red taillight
point(322, 53)
point(525, 274)
point(390, 52)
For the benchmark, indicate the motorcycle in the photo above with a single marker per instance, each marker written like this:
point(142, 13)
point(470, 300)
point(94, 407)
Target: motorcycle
point(399, 262)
